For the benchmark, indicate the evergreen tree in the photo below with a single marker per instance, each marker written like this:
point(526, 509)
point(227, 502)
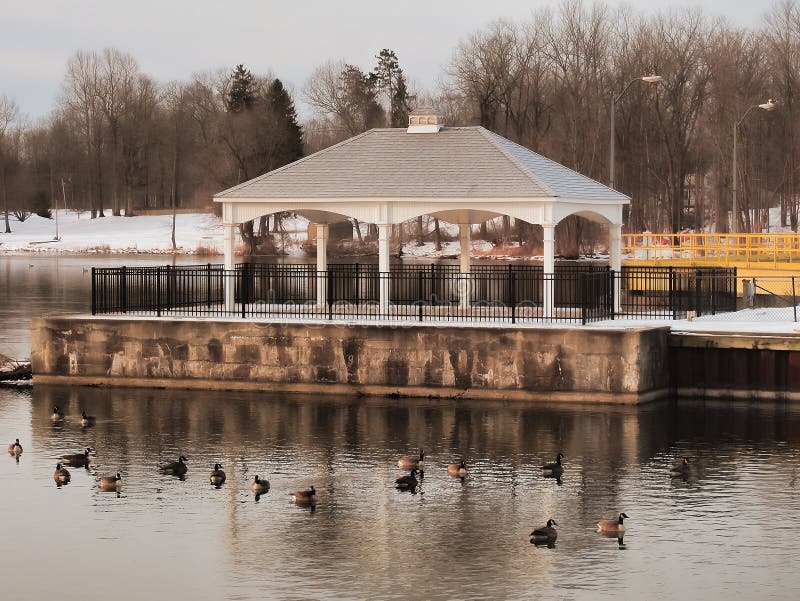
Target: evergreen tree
point(242, 90)
point(289, 133)
point(399, 112)
point(360, 95)
point(390, 80)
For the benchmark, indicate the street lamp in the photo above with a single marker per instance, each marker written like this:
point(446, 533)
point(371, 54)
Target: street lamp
point(767, 106)
point(651, 79)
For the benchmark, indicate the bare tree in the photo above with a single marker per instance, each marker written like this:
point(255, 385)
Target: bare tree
point(9, 113)
point(81, 84)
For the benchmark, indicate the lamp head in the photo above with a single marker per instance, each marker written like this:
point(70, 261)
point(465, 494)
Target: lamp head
point(651, 78)
point(767, 106)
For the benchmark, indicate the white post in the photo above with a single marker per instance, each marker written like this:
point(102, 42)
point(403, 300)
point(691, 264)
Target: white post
point(464, 235)
point(228, 245)
point(383, 265)
point(322, 264)
point(615, 257)
point(549, 265)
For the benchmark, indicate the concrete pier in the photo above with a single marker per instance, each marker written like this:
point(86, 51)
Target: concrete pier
point(590, 365)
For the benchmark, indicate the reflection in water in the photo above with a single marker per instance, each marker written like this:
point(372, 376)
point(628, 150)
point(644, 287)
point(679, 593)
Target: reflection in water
point(35, 285)
point(454, 538)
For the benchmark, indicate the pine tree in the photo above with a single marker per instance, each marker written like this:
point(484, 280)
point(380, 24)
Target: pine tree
point(291, 133)
point(242, 92)
point(359, 91)
point(399, 112)
point(390, 80)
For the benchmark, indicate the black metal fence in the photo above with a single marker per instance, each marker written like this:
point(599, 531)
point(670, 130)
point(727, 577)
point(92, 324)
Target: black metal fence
point(672, 292)
point(511, 293)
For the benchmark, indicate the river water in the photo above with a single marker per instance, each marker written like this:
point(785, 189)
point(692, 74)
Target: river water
point(727, 531)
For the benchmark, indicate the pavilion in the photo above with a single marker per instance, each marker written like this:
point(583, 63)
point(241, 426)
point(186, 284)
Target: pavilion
point(462, 175)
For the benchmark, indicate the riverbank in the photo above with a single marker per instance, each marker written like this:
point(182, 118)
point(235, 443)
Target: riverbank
point(195, 234)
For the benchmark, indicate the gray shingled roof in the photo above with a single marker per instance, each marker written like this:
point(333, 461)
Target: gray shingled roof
point(457, 162)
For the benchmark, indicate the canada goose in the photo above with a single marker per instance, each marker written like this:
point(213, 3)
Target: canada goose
point(15, 449)
point(57, 415)
point(407, 482)
point(217, 477)
point(613, 526)
point(680, 469)
point(87, 421)
point(546, 534)
point(111, 482)
point(259, 486)
point(176, 468)
point(554, 469)
point(305, 497)
point(61, 475)
point(407, 462)
point(76, 459)
point(457, 470)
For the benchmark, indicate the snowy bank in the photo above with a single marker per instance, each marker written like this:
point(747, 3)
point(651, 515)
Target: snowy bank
point(194, 232)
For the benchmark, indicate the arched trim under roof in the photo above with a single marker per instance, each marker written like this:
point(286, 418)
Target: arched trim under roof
point(395, 211)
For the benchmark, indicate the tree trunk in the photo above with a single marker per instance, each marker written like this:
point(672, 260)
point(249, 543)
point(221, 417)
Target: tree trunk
point(263, 226)
point(99, 159)
point(5, 201)
point(506, 226)
point(437, 235)
point(115, 211)
point(358, 230)
point(420, 232)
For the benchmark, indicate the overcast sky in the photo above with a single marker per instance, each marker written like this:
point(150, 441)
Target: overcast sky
point(171, 39)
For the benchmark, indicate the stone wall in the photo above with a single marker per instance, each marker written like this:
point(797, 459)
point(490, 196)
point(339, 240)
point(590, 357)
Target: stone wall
point(572, 363)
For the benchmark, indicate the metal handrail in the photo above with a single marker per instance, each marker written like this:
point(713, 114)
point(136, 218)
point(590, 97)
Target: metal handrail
point(718, 249)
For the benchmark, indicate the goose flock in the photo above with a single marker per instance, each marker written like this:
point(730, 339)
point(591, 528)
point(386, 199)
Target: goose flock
point(414, 464)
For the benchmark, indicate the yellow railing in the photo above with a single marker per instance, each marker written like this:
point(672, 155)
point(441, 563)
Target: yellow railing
point(713, 249)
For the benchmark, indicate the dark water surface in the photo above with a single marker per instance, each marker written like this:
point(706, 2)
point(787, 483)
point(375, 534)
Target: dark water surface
point(728, 531)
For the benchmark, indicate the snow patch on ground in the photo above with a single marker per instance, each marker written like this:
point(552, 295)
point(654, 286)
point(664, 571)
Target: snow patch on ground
point(141, 234)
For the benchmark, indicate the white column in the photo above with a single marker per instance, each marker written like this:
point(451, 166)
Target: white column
point(549, 265)
point(464, 235)
point(322, 264)
point(615, 257)
point(383, 264)
point(228, 245)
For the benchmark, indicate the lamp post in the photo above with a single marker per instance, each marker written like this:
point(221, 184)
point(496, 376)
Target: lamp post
point(651, 79)
point(767, 106)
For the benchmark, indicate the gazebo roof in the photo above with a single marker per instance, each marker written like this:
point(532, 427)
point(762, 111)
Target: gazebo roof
point(468, 163)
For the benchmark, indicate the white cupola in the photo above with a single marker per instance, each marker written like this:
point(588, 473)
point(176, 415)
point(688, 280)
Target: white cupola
point(424, 121)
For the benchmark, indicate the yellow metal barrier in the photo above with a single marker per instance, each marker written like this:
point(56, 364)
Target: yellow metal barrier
point(747, 250)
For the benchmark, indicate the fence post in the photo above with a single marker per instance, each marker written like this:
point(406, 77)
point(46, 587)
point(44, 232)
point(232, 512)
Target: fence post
point(243, 287)
point(698, 292)
point(672, 307)
point(613, 294)
point(512, 283)
point(168, 304)
point(584, 300)
point(794, 300)
point(158, 290)
point(94, 292)
point(420, 301)
point(208, 285)
point(713, 291)
point(329, 294)
point(433, 283)
point(123, 292)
